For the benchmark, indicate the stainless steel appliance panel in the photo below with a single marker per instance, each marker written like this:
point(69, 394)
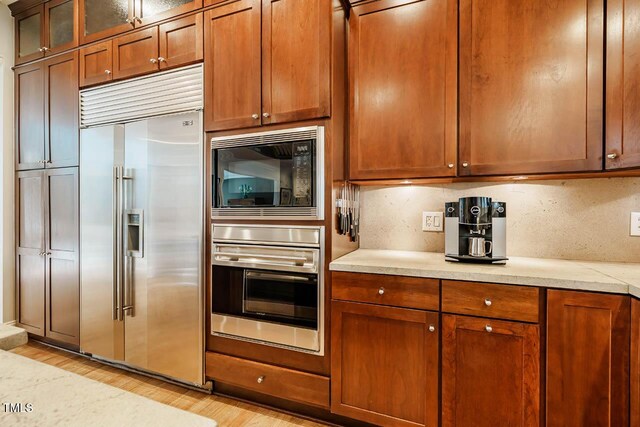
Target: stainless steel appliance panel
point(164, 330)
point(101, 153)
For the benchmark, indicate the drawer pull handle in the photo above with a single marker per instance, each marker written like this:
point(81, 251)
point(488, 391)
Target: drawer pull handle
point(432, 328)
point(488, 328)
point(260, 379)
point(487, 302)
point(381, 291)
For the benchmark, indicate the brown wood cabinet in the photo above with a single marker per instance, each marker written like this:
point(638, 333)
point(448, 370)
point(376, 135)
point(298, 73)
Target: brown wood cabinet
point(531, 86)
point(490, 372)
point(255, 73)
point(403, 89)
point(100, 19)
point(635, 363)
point(135, 54)
point(172, 44)
point(384, 364)
point(587, 359)
point(46, 29)
point(47, 131)
point(47, 255)
point(623, 97)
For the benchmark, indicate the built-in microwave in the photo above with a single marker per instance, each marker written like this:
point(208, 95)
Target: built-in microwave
point(269, 175)
point(267, 285)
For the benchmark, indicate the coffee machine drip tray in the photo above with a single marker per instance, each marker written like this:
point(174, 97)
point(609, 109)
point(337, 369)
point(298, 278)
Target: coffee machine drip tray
point(478, 260)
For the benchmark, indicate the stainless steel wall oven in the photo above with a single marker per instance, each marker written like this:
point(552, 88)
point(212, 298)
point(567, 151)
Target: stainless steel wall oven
point(268, 285)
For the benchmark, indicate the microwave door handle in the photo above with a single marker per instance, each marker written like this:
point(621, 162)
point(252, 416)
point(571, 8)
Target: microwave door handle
point(257, 275)
point(261, 256)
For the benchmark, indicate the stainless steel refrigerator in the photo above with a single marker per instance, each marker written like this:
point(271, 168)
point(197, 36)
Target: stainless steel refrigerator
point(141, 221)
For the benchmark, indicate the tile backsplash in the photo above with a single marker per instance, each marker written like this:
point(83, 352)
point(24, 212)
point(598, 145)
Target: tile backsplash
point(585, 219)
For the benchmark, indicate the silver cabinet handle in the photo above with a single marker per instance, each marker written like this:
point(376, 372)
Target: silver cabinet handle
point(266, 115)
point(107, 72)
point(261, 379)
point(612, 156)
point(43, 49)
point(381, 291)
point(465, 164)
point(488, 302)
point(260, 256)
point(162, 59)
point(41, 253)
point(130, 21)
point(432, 328)
point(153, 60)
point(488, 328)
point(255, 116)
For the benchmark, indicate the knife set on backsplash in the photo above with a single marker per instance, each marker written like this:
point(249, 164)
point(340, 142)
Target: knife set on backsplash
point(348, 206)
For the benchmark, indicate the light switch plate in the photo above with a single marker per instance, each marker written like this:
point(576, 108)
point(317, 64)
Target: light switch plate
point(635, 224)
point(433, 221)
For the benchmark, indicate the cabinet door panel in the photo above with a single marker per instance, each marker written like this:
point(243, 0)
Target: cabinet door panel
point(587, 359)
point(623, 84)
point(30, 120)
point(403, 89)
point(384, 364)
point(63, 270)
point(150, 11)
point(29, 35)
point(134, 54)
point(232, 65)
point(61, 118)
point(490, 372)
point(531, 86)
point(96, 64)
point(60, 28)
point(104, 18)
point(296, 68)
point(30, 245)
point(635, 363)
point(181, 41)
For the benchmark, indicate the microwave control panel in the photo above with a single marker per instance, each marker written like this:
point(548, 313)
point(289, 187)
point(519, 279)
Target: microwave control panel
point(303, 173)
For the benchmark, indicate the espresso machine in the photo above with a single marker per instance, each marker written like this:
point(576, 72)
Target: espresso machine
point(476, 230)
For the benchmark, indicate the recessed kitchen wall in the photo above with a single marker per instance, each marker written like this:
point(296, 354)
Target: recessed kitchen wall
point(577, 219)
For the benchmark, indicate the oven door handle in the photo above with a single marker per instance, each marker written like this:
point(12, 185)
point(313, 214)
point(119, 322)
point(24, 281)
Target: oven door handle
point(260, 275)
point(261, 256)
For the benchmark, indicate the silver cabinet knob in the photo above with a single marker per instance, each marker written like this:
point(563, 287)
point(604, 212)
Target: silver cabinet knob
point(488, 328)
point(381, 291)
point(266, 115)
point(130, 21)
point(48, 253)
point(260, 379)
point(612, 156)
point(153, 60)
point(137, 19)
point(43, 49)
point(255, 116)
point(465, 164)
point(432, 328)
point(451, 165)
point(107, 72)
point(41, 253)
point(487, 302)
point(162, 59)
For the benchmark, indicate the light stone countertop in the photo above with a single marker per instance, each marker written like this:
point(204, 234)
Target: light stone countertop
point(619, 278)
point(61, 398)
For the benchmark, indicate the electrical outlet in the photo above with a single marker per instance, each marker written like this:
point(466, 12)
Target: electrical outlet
point(635, 224)
point(432, 221)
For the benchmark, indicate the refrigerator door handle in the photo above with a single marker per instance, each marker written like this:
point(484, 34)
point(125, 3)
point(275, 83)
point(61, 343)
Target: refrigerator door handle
point(127, 304)
point(116, 245)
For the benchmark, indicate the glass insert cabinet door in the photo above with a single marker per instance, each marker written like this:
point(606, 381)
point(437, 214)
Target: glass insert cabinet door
point(149, 11)
point(60, 31)
point(29, 35)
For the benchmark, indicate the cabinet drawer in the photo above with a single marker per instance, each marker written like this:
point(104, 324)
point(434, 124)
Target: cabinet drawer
point(268, 379)
point(489, 300)
point(400, 291)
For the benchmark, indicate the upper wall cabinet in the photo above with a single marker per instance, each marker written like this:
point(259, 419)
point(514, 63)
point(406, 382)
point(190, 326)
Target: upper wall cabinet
point(104, 18)
point(403, 89)
point(623, 81)
point(256, 74)
point(47, 113)
point(45, 30)
point(531, 86)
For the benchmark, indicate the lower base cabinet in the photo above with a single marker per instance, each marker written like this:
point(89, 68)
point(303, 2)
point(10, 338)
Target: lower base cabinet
point(587, 359)
point(490, 372)
point(384, 364)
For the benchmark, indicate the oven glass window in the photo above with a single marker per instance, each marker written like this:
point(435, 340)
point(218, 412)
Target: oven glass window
point(274, 175)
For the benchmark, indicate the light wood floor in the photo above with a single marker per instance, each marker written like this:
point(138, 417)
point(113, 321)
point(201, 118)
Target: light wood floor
point(226, 412)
